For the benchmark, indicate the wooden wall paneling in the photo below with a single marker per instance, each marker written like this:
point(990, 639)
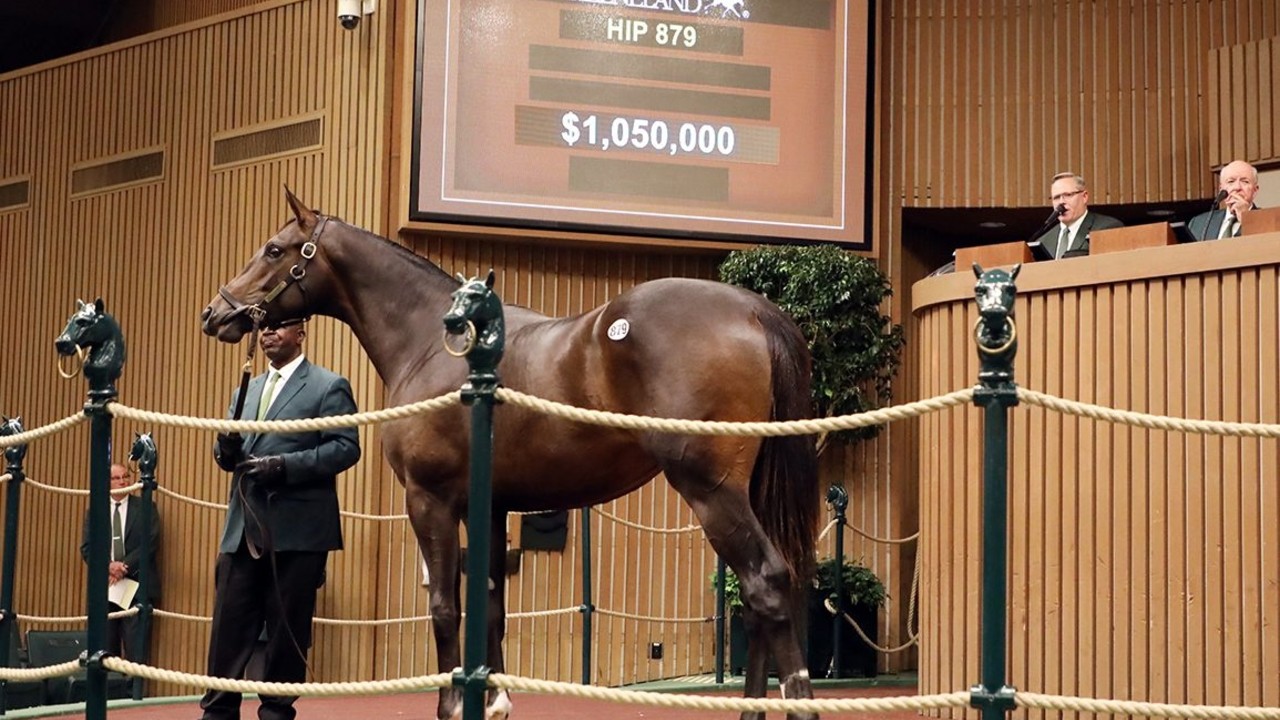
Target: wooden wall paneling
point(1249, 529)
point(1269, 497)
point(1172, 401)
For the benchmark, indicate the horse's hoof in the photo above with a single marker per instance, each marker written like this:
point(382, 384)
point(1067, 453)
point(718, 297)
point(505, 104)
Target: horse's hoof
point(500, 708)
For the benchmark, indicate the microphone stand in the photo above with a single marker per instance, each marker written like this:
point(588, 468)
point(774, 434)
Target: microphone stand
point(1204, 233)
point(1037, 248)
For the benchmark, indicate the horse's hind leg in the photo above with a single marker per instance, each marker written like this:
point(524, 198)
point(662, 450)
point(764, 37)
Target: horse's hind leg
point(734, 532)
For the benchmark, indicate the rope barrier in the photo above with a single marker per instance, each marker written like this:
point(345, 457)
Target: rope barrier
point(647, 528)
point(69, 667)
point(27, 436)
point(194, 501)
point(1155, 422)
point(332, 422)
point(375, 687)
point(653, 618)
point(1129, 707)
point(703, 702)
point(51, 620)
point(721, 427)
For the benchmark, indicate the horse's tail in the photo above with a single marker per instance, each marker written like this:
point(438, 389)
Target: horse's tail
point(784, 482)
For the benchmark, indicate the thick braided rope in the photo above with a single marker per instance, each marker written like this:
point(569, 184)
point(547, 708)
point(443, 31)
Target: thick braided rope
point(704, 702)
point(652, 618)
point(41, 673)
point(720, 427)
point(1129, 707)
point(887, 541)
point(25, 437)
point(646, 528)
point(1157, 422)
point(912, 637)
point(50, 620)
point(331, 422)
point(827, 529)
point(194, 501)
point(375, 687)
point(223, 506)
point(6, 477)
point(181, 616)
point(74, 491)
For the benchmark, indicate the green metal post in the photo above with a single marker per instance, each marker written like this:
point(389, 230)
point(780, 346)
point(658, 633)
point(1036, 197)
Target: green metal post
point(13, 497)
point(145, 453)
point(479, 392)
point(996, 336)
point(839, 499)
point(587, 607)
point(101, 334)
point(720, 615)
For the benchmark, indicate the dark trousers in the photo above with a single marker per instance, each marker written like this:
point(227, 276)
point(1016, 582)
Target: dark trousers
point(122, 635)
point(248, 593)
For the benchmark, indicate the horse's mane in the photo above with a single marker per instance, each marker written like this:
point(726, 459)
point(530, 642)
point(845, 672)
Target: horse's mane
point(413, 257)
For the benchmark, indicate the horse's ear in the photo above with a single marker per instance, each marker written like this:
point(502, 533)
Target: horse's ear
point(97, 305)
point(488, 282)
point(301, 213)
point(79, 305)
point(977, 271)
point(1016, 269)
point(461, 278)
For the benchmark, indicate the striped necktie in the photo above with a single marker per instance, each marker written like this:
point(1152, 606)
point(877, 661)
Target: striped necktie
point(1064, 241)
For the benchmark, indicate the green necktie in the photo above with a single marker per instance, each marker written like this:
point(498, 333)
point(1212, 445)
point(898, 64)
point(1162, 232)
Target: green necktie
point(117, 533)
point(1064, 241)
point(265, 401)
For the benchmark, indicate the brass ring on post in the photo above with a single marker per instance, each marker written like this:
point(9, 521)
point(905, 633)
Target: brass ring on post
point(466, 349)
point(77, 363)
point(1013, 337)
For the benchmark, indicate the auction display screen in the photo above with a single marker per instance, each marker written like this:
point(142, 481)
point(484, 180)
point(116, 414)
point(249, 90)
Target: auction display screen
point(715, 119)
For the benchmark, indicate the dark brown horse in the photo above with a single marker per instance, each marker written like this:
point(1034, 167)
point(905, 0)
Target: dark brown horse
point(690, 349)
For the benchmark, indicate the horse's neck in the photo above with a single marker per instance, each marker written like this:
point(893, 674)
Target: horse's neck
point(392, 303)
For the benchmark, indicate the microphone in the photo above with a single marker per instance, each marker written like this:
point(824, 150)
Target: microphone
point(1217, 199)
point(1037, 248)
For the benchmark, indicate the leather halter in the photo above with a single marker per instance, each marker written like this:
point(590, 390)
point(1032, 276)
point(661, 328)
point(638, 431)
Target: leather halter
point(257, 311)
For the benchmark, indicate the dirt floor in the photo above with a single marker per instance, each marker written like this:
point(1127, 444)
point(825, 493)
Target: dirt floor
point(421, 706)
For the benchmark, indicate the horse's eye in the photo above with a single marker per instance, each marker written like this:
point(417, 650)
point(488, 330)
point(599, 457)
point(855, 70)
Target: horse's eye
point(82, 321)
point(273, 251)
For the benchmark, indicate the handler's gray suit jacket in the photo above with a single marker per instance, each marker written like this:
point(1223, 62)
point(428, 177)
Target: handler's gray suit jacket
point(1079, 243)
point(302, 511)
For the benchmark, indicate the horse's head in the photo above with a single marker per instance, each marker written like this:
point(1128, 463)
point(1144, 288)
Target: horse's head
point(90, 329)
point(14, 454)
point(280, 282)
point(995, 291)
point(476, 313)
point(143, 453)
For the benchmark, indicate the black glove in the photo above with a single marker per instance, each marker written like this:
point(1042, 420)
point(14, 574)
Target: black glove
point(229, 450)
point(265, 471)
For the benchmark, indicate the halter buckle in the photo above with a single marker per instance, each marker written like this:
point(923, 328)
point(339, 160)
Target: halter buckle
point(308, 250)
point(297, 272)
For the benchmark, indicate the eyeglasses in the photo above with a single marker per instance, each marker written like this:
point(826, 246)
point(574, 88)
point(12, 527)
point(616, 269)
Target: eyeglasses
point(1065, 196)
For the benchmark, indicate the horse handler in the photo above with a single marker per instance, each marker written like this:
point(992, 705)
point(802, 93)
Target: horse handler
point(282, 521)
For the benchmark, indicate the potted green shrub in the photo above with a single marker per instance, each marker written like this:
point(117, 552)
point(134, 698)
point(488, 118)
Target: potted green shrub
point(864, 595)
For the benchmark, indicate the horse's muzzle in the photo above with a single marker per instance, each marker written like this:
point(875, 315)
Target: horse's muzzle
point(65, 345)
point(228, 327)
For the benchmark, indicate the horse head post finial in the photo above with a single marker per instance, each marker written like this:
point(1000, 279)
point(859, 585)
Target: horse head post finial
point(144, 455)
point(995, 332)
point(477, 314)
point(91, 328)
point(14, 454)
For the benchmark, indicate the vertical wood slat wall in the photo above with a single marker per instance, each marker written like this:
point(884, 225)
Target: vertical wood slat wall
point(1243, 103)
point(156, 252)
point(1142, 563)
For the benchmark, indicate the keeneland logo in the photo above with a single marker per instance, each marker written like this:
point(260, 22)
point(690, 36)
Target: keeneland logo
point(737, 8)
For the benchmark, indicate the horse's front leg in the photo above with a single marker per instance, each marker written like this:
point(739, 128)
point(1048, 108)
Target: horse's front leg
point(498, 702)
point(436, 524)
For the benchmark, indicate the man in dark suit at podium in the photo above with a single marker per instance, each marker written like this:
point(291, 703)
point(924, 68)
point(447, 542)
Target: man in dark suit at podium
point(1237, 186)
point(1069, 196)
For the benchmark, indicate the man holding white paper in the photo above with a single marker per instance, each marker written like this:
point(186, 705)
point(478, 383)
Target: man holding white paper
point(126, 560)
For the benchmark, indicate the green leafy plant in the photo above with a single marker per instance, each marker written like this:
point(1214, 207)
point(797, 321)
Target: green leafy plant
point(836, 298)
point(861, 585)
